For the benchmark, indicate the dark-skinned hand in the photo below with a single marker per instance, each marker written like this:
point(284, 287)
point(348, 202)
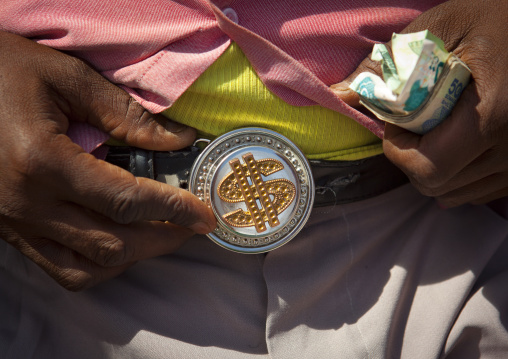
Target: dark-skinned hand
point(80, 219)
point(465, 158)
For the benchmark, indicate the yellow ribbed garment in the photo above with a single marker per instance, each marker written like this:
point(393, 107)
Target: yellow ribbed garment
point(230, 95)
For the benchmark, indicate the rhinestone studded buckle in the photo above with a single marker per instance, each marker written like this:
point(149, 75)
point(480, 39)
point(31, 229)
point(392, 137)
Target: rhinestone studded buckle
point(258, 184)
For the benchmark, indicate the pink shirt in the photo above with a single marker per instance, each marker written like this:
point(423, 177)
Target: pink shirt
point(155, 49)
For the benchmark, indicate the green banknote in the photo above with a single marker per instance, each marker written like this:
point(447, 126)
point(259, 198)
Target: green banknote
point(421, 82)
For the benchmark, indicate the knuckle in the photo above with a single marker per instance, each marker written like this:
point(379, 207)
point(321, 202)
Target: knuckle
point(134, 118)
point(12, 211)
point(27, 162)
point(369, 65)
point(111, 253)
point(180, 211)
point(134, 112)
point(16, 203)
point(122, 206)
point(75, 280)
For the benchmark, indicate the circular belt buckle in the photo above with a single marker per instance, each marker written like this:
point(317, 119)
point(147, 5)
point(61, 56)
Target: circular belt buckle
point(258, 184)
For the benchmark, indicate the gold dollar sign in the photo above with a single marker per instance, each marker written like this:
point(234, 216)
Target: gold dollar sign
point(235, 188)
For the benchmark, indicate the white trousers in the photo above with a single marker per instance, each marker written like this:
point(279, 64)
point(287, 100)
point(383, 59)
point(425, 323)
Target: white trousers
point(394, 276)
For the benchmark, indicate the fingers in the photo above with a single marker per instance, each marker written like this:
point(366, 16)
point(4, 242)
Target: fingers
point(62, 88)
point(115, 112)
point(464, 158)
point(429, 161)
point(82, 179)
point(67, 267)
point(342, 89)
point(80, 248)
point(81, 219)
point(450, 29)
point(127, 199)
point(444, 151)
point(107, 243)
point(73, 230)
point(480, 192)
point(457, 162)
point(68, 87)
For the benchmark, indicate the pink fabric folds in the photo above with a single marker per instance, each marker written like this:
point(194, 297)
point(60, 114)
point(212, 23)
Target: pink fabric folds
point(89, 138)
point(156, 49)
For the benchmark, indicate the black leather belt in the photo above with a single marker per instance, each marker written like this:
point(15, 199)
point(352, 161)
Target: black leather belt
point(336, 182)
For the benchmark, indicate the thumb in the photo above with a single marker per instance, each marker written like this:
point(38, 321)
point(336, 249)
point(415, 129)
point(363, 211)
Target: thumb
point(446, 21)
point(134, 125)
point(112, 110)
point(432, 20)
point(83, 95)
point(342, 89)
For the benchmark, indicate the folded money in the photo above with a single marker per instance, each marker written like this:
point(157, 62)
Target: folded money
point(421, 82)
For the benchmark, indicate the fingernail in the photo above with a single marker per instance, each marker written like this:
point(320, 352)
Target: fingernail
point(201, 227)
point(174, 127)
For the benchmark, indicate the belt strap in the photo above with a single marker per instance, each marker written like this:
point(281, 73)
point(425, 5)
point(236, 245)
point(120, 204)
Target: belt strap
point(336, 182)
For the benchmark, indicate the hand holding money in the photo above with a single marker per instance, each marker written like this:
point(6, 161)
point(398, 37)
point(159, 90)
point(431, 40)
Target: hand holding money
point(421, 83)
point(464, 159)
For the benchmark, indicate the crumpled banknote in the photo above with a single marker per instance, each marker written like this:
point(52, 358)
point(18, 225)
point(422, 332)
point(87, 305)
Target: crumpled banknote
point(421, 82)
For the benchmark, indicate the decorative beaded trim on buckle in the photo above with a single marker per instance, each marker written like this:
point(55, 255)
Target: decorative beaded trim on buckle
point(262, 203)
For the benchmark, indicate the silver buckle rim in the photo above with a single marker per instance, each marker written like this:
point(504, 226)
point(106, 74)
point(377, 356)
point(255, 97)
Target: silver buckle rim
point(203, 176)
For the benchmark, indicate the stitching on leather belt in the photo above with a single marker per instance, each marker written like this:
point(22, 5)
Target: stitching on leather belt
point(336, 182)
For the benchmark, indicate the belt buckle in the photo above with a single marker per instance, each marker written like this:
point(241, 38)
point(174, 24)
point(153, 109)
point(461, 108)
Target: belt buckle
point(258, 184)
